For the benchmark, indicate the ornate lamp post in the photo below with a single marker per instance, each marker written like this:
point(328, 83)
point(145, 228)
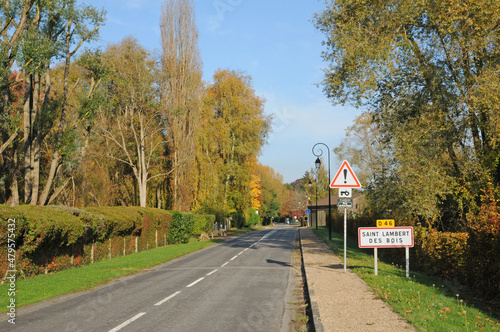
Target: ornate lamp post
point(309, 218)
point(318, 153)
point(317, 163)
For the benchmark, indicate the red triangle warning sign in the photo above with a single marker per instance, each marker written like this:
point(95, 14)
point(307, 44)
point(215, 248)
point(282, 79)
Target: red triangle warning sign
point(345, 178)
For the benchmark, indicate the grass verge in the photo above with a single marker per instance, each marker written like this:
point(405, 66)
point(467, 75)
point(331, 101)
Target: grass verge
point(426, 302)
point(82, 278)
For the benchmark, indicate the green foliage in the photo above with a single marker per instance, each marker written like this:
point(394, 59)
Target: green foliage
point(48, 227)
point(202, 223)
point(482, 261)
point(181, 228)
point(254, 218)
point(238, 219)
point(119, 220)
point(432, 87)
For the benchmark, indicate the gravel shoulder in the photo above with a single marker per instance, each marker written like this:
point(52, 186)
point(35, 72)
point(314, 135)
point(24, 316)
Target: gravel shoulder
point(342, 301)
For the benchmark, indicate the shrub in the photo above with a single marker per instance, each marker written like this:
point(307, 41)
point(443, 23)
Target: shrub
point(238, 219)
point(266, 221)
point(202, 223)
point(482, 263)
point(181, 228)
point(254, 218)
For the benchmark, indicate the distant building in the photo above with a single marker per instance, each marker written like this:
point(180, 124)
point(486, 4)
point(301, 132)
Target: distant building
point(358, 202)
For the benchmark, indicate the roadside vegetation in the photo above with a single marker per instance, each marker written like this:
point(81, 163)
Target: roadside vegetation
point(428, 303)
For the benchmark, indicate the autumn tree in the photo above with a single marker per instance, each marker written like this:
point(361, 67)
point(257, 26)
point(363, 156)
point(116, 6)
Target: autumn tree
point(181, 92)
point(131, 122)
point(13, 21)
point(273, 191)
point(423, 67)
point(234, 128)
point(255, 192)
point(35, 34)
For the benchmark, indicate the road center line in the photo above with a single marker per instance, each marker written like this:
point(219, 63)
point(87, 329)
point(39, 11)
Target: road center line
point(125, 323)
point(168, 298)
point(210, 273)
point(224, 264)
point(195, 282)
point(232, 259)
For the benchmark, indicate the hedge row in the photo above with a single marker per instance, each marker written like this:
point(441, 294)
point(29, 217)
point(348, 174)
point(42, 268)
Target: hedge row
point(471, 258)
point(58, 237)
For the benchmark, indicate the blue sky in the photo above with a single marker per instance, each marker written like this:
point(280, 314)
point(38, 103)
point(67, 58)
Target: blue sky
point(273, 41)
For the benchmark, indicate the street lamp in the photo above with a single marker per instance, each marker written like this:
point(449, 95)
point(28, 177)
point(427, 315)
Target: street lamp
point(318, 165)
point(309, 219)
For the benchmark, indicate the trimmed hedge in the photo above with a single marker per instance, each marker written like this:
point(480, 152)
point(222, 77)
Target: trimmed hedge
point(53, 238)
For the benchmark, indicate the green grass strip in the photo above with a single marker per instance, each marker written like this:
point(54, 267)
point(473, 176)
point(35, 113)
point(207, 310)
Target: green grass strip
point(428, 303)
point(43, 287)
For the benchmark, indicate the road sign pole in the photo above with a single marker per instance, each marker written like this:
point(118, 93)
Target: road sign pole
point(375, 260)
point(407, 252)
point(345, 240)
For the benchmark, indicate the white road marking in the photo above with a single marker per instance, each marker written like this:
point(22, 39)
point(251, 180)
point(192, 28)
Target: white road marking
point(232, 259)
point(224, 264)
point(268, 234)
point(209, 274)
point(125, 323)
point(195, 282)
point(168, 298)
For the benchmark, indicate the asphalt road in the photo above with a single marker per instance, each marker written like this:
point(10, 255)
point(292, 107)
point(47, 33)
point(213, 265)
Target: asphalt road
point(240, 284)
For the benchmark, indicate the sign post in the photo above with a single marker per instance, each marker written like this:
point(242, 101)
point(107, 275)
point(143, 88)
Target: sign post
point(345, 180)
point(387, 237)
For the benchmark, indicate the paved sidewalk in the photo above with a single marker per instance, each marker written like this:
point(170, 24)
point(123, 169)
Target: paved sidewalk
point(342, 301)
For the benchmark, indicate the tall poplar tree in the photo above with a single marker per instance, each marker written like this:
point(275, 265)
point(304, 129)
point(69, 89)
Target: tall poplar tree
point(181, 90)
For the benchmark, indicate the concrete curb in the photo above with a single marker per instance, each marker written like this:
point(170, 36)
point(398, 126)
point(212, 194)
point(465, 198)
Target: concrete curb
point(316, 319)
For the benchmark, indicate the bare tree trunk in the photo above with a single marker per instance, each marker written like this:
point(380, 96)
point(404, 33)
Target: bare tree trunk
point(14, 189)
point(54, 165)
point(36, 153)
point(158, 197)
point(7, 143)
point(27, 138)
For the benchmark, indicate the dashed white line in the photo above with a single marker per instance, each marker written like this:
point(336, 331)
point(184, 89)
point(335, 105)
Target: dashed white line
point(195, 282)
point(125, 323)
point(224, 264)
point(210, 273)
point(168, 298)
point(232, 259)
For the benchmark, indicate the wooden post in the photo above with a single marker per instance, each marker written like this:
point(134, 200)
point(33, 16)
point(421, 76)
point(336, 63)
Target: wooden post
point(109, 249)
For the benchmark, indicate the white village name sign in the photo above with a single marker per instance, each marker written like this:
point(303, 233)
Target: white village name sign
point(386, 237)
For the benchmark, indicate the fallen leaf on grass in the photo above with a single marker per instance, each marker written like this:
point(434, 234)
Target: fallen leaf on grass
point(445, 310)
